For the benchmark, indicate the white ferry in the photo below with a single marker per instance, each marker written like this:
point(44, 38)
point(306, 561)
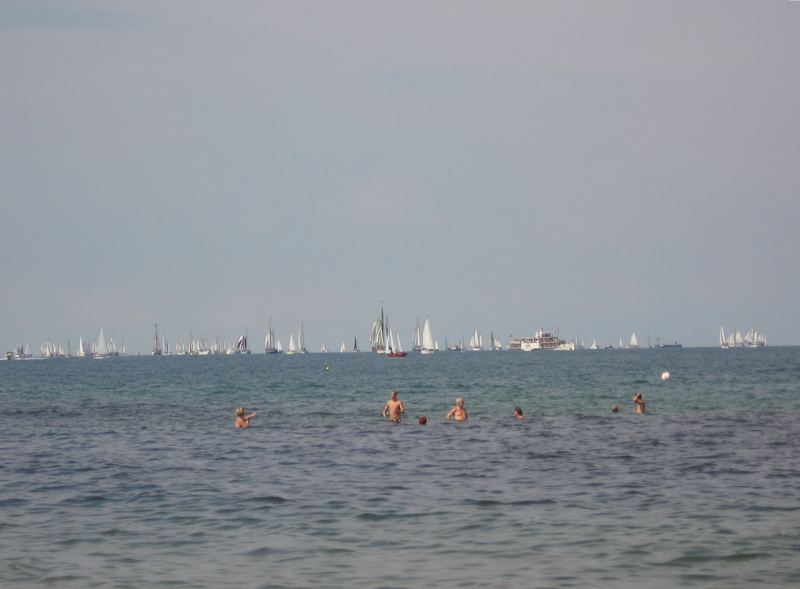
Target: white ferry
point(544, 340)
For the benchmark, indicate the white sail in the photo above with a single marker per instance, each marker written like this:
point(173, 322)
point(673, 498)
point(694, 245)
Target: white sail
point(621, 346)
point(399, 345)
point(436, 346)
point(416, 340)
point(324, 348)
point(102, 345)
point(278, 346)
point(81, 348)
point(301, 340)
point(291, 349)
point(634, 343)
point(342, 348)
point(389, 342)
point(723, 342)
point(427, 339)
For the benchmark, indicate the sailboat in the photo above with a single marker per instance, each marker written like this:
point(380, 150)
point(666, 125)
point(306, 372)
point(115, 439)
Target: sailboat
point(494, 343)
point(323, 349)
point(291, 349)
point(301, 341)
point(102, 350)
point(416, 339)
point(476, 341)
point(393, 351)
point(342, 349)
point(428, 346)
point(278, 347)
point(355, 344)
point(156, 346)
point(634, 343)
point(269, 339)
point(594, 345)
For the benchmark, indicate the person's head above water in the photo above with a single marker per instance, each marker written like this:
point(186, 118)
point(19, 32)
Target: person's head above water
point(240, 412)
point(614, 409)
point(459, 401)
point(394, 395)
point(517, 412)
point(423, 420)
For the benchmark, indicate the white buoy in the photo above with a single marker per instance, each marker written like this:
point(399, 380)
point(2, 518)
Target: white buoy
point(665, 376)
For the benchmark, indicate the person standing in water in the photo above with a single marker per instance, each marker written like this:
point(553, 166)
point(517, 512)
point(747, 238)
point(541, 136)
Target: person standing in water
point(394, 408)
point(459, 412)
point(243, 420)
point(638, 403)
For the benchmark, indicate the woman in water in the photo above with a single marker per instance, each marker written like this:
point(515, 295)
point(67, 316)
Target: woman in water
point(243, 420)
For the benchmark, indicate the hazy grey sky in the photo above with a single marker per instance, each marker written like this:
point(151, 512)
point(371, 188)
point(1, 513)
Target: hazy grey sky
point(598, 167)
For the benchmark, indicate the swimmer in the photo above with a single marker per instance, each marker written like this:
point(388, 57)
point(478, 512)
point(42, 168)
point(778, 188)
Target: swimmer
point(518, 413)
point(394, 408)
point(423, 420)
point(243, 420)
point(639, 407)
point(459, 412)
point(615, 409)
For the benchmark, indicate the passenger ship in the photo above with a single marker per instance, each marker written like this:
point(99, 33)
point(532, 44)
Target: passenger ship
point(544, 340)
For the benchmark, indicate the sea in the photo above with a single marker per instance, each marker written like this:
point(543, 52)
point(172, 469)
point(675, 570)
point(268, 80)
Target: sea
point(128, 472)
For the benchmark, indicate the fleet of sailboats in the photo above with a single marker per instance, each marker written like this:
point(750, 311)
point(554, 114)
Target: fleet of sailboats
point(383, 340)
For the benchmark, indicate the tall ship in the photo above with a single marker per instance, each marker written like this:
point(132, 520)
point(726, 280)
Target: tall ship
point(377, 337)
point(240, 347)
point(545, 340)
point(514, 343)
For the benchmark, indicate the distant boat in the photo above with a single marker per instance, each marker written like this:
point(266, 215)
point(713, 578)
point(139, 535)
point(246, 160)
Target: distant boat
point(355, 344)
point(394, 350)
point(476, 341)
point(301, 340)
point(634, 343)
point(416, 339)
point(343, 348)
point(545, 340)
point(377, 337)
point(291, 349)
point(323, 349)
point(494, 343)
point(594, 345)
point(269, 339)
point(101, 350)
point(428, 345)
point(240, 347)
point(754, 339)
point(278, 346)
point(156, 345)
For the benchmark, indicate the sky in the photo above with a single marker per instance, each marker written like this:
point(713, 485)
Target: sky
point(599, 168)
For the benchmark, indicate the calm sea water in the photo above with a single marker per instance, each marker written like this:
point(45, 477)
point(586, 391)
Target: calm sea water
point(128, 472)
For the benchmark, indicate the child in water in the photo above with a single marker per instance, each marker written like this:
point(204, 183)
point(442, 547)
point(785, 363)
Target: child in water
point(243, 420)
point(459, 412)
